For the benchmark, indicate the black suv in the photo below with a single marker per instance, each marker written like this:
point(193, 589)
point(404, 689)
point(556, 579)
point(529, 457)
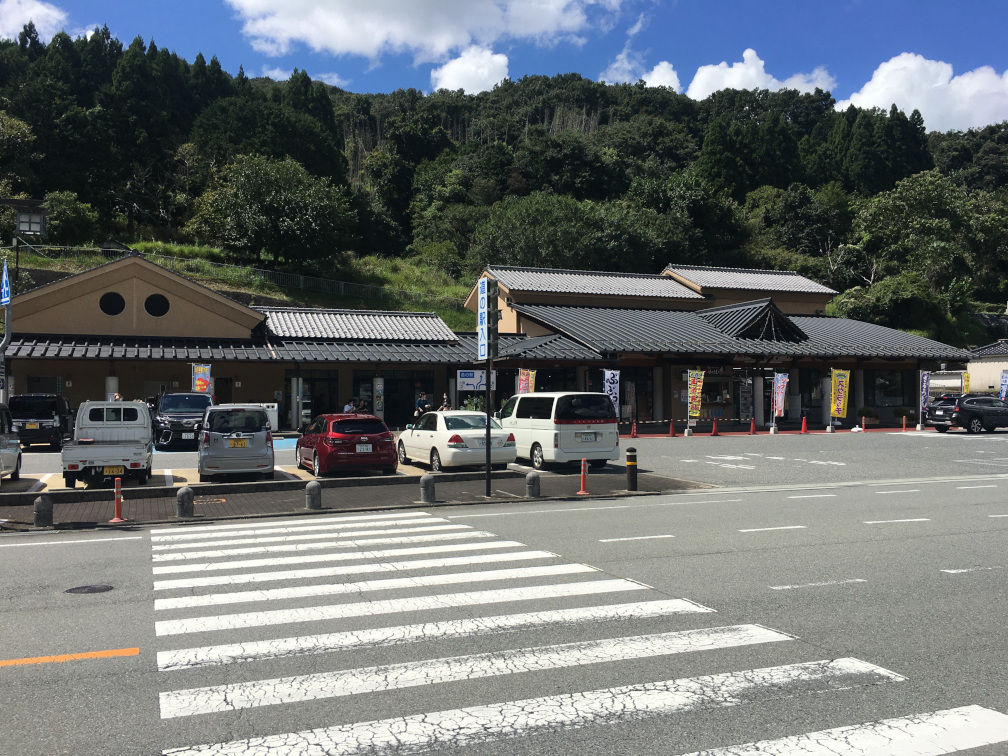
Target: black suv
point(42, 419)
point(974, 412)
point(179, 419)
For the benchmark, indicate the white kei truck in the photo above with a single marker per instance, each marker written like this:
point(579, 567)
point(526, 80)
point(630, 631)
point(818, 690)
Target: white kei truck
point(111, 440)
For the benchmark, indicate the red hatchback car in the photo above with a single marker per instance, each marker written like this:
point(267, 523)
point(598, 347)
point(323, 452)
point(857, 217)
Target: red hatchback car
point(347, 442)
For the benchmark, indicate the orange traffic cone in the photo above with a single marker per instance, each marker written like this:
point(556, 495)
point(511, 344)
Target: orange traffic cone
point(804, 425)
point(752, 427)
point(633, 430)
point(584, 478)
point(714, 429)
point(671, 428)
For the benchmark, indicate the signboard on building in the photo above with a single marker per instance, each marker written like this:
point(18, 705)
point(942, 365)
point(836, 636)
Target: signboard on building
point(201, 378)
point(475, 380)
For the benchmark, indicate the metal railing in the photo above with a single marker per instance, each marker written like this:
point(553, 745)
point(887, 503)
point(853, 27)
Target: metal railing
point(239, 274)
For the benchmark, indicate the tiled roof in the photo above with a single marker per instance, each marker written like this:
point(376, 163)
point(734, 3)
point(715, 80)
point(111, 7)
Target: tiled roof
point(359, 325)
point(997, 349)
point(615, 330)
point(760, 319)
point(551, 280)
point(748, 278)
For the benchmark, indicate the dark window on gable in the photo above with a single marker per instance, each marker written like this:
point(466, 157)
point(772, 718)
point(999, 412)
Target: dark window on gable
point(112, 303)
point(157, 305)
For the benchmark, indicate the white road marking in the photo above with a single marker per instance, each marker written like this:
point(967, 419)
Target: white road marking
point(777, 458)
point(973, 569)
point(70, 542)
point(326, 685)
point(516, 719)
point(289, 521)
point(351, 569)
point(393, 606)
point(169, 481)
point(885, 522)
point(932, 734)
point(309, 537)
point(965, 488)
point(322, 526)
point(241, 564)
point(689, 460)
point(508, 493)
point(386, 584)
point(544, 511)
point(272, 549)
point(813, 496)
point(782, 527)
point(998, 515)
point(816, 585)
point(38, 484)
point(287, 475)
point(634, 538)
point(899, 490)
point(387, 636)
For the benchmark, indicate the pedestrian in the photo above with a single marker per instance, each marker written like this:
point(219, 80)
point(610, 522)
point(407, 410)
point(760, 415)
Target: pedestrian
point(422, 405)
point(349, 406)
point(362, 408)
point(117, 397)
point(445, 404)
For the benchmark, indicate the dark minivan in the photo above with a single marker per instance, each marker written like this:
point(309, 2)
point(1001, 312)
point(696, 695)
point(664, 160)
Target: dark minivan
point(42, 419)
point(179, 419)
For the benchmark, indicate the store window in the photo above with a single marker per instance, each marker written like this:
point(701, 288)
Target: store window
point(810, 387)
point(890, 388)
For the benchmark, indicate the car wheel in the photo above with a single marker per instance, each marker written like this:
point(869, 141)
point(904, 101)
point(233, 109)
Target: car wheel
point(142, 477)
point(316, 465)
point(56, 445)
point(204, 478)
point(941, 428)
point(297, 455)
point(69, 481)
point(403, 459)
point(538, 460)
point(16, 474)
point(975, 425)
point(435, 461)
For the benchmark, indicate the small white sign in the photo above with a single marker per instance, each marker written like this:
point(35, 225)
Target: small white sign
point(475, 380)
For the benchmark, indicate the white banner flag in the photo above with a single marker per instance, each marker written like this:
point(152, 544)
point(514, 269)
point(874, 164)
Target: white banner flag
point(610, 380)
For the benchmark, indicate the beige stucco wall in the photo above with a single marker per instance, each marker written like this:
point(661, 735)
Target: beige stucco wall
point(985, 374)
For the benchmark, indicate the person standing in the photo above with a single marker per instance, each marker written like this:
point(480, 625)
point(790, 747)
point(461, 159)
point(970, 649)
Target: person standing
point(349, 406)
point(422, 405)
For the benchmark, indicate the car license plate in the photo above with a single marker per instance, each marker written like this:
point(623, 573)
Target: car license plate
point(188, 436)
point(112, 470)
point(31, 426)
point(364, 448)
point(587, 436)
point(939, 412)
point(238, 443)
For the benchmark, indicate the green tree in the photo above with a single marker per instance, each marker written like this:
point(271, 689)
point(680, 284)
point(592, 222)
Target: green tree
point(69, 220)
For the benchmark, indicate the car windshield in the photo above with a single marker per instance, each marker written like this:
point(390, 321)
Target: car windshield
point(185, 402)
point(468, 422)
point(359, 427)
point(585, 407)
point(32, 406)
point(238, 420)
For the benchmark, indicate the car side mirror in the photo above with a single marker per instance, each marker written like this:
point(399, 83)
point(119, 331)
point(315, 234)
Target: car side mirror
point(497, 415)
point(409, 426)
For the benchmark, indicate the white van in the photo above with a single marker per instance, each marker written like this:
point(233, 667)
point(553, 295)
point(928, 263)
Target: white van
point(562, 426)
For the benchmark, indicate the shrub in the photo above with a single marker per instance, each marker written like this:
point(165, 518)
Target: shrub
point(867, 412)
point(906, 412)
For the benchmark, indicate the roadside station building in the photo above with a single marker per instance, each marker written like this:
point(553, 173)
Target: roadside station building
point(135, 328)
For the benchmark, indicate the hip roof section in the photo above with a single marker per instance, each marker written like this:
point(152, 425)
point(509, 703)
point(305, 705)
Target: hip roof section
point(348, 325)
point(700, 277)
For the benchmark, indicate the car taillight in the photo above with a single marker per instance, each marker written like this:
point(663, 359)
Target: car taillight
point(269, 438)
point(206, 437)
point(510, 440)
point(456, 442)
point(556, 440)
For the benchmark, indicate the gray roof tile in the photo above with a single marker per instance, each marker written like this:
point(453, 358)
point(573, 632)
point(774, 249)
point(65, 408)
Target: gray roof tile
point(748, 278)
point(360, 325)
point(550, 280)
point(997, 349)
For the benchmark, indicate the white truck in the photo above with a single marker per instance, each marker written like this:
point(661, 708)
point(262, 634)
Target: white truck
point(111, 440)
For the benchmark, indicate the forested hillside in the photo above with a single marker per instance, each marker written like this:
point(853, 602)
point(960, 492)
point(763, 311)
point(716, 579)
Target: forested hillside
point(133, 142)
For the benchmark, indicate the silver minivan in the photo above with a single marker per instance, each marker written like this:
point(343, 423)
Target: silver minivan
point(236, 439)
point(562, 426)
point(10, 445)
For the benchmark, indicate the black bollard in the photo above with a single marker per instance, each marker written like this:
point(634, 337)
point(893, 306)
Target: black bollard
point(532, 485)
point(184, 506)
point(313, 495)
point(427, 489)
point(631, 469)
point(43, 511)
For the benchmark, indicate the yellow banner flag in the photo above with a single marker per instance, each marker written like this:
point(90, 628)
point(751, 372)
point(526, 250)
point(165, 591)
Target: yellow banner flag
point(695, 391)
point(841, 382)
point(965, 383)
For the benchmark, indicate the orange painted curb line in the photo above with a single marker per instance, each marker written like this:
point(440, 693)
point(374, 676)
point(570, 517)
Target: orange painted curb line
point(71, 657)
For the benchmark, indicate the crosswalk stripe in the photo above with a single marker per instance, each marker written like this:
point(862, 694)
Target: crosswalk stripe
point(274, 529)
point(313, 536)
point(351, 569)
point(217, 553)
point(344, 556)
point(387, 636)
point(313, 518)
point(218, 698)
point(392, 606)
point(932, 734)
point(386, 584)
point(461, 727)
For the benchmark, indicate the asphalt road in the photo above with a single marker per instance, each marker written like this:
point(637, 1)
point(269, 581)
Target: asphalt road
point(777, 609)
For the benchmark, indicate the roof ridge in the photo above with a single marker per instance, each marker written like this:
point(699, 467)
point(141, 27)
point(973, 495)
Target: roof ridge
point(727, 269)
point(584, 272)
point(339, 311)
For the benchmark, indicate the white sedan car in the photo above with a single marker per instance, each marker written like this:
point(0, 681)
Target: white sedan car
point(455, 438)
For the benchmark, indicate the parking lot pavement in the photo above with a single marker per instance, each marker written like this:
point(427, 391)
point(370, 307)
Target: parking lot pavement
point(341, 495)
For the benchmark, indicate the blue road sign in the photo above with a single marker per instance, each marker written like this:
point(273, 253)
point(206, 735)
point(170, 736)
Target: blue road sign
point(5, 287)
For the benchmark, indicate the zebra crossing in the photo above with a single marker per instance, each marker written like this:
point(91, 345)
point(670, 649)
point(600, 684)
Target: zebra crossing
point(255, 620)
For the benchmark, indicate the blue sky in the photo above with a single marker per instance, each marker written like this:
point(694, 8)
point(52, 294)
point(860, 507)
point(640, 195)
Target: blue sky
point(948, 59)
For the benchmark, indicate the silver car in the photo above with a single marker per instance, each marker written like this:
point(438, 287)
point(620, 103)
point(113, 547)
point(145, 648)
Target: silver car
point(236, 439)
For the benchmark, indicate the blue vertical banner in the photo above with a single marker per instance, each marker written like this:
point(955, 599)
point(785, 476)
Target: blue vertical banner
point(1004, 384)
point(5, 287)
point(925, 389)
point(481, 322)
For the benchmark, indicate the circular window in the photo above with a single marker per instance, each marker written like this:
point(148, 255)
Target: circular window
point(112, 303)
point(156, 305)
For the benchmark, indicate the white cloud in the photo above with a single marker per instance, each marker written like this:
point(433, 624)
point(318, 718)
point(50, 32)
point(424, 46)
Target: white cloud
point(973, 99)
point(333, 79)
point(628, 67)
point(475, 70)
point(14, 14)
point(430, 30)
point(750, 73)
point(662, 75)
point(625, 68)
point(277, 74)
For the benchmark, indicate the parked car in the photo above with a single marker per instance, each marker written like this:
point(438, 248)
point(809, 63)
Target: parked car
point(974, 412)
point(562, 427)
point(42, 419)
point(10, 445)
point(346, 442)
point(179, 419)
point(111, 440)
point(236, 439)
point(454, 438)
